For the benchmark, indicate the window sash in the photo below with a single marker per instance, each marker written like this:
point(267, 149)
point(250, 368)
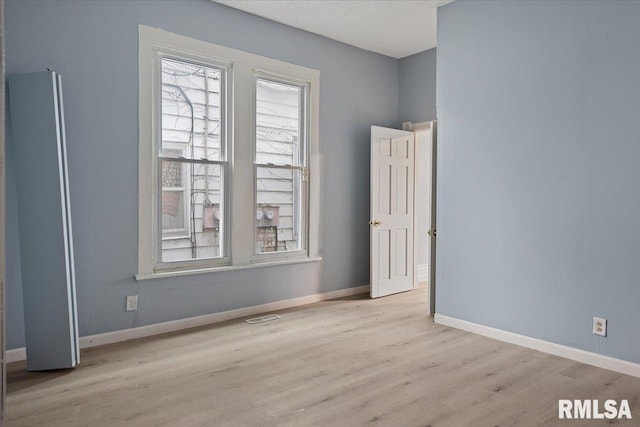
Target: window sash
point(224, 245)
point(224, 69)
point(301, 212)
point(301, 160)
point(224, 241)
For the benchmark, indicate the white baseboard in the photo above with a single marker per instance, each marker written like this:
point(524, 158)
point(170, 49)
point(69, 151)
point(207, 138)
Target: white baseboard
point(423, 272)
point(582, 356)
point(18, 354)
point(15, 355)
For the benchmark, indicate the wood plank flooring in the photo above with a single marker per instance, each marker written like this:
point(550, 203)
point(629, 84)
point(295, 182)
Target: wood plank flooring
point(347, 362)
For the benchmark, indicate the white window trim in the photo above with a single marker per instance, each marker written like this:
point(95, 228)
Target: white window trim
point(242, 67)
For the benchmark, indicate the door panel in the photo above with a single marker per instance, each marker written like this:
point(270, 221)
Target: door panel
point(402, 190)
point(384, 205)
point(384, 247)
point(401, 253)
point(391, 222)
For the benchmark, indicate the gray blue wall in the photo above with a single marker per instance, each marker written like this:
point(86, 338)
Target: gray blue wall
point(538, 176)
point(93, 44)
point(417, 87)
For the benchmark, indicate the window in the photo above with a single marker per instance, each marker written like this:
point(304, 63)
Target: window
point(191, 158)
point(280, 165)
point(218, 125)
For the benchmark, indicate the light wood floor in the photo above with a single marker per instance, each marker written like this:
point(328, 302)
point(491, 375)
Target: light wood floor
point(347, 362)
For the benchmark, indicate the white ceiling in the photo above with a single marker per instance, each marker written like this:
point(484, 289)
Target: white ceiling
point(395, 28)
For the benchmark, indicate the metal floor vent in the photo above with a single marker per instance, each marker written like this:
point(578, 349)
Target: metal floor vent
point(262, 319)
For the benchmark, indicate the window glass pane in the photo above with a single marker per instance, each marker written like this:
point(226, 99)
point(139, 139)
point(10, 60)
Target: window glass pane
point(278, 209)
point(191, 111)
point(173, 213)
point(192, 206)
point(174, 217)
point(278, 123)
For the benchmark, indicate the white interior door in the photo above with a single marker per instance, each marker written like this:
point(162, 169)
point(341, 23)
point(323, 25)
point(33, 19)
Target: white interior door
point(391, 220)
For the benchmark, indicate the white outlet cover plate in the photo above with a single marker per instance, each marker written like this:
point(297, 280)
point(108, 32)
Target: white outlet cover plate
point(132, 302)
point(600, 326)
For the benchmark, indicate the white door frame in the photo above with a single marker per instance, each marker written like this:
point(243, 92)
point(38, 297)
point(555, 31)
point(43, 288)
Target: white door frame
point(2, 221)
point(431, 151)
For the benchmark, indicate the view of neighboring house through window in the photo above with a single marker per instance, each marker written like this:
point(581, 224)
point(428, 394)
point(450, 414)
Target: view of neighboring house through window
point(280, 151)
point(228, 165)
point(192, 161)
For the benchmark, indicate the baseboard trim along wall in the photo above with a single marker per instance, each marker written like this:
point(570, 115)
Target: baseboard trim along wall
point(582, 356)
point(423, 272)
point(18, 354)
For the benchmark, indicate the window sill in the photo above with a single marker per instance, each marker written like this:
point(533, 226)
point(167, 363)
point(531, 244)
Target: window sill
point(179, 273)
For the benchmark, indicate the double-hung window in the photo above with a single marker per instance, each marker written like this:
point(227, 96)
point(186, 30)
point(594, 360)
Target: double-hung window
point(280, 165)
point(191, 161)
point(228, 158)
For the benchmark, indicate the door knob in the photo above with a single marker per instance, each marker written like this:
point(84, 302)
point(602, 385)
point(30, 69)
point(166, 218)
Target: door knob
point(431, 233)
point(375, 223)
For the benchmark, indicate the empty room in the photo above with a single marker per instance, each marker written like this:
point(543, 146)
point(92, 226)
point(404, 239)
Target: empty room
point(320, 212)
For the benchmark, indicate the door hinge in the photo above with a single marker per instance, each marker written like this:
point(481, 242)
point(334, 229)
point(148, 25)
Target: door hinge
point(432, 233)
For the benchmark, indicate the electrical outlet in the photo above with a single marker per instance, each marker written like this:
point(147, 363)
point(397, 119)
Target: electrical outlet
point(600, 326)
point(132, 302)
